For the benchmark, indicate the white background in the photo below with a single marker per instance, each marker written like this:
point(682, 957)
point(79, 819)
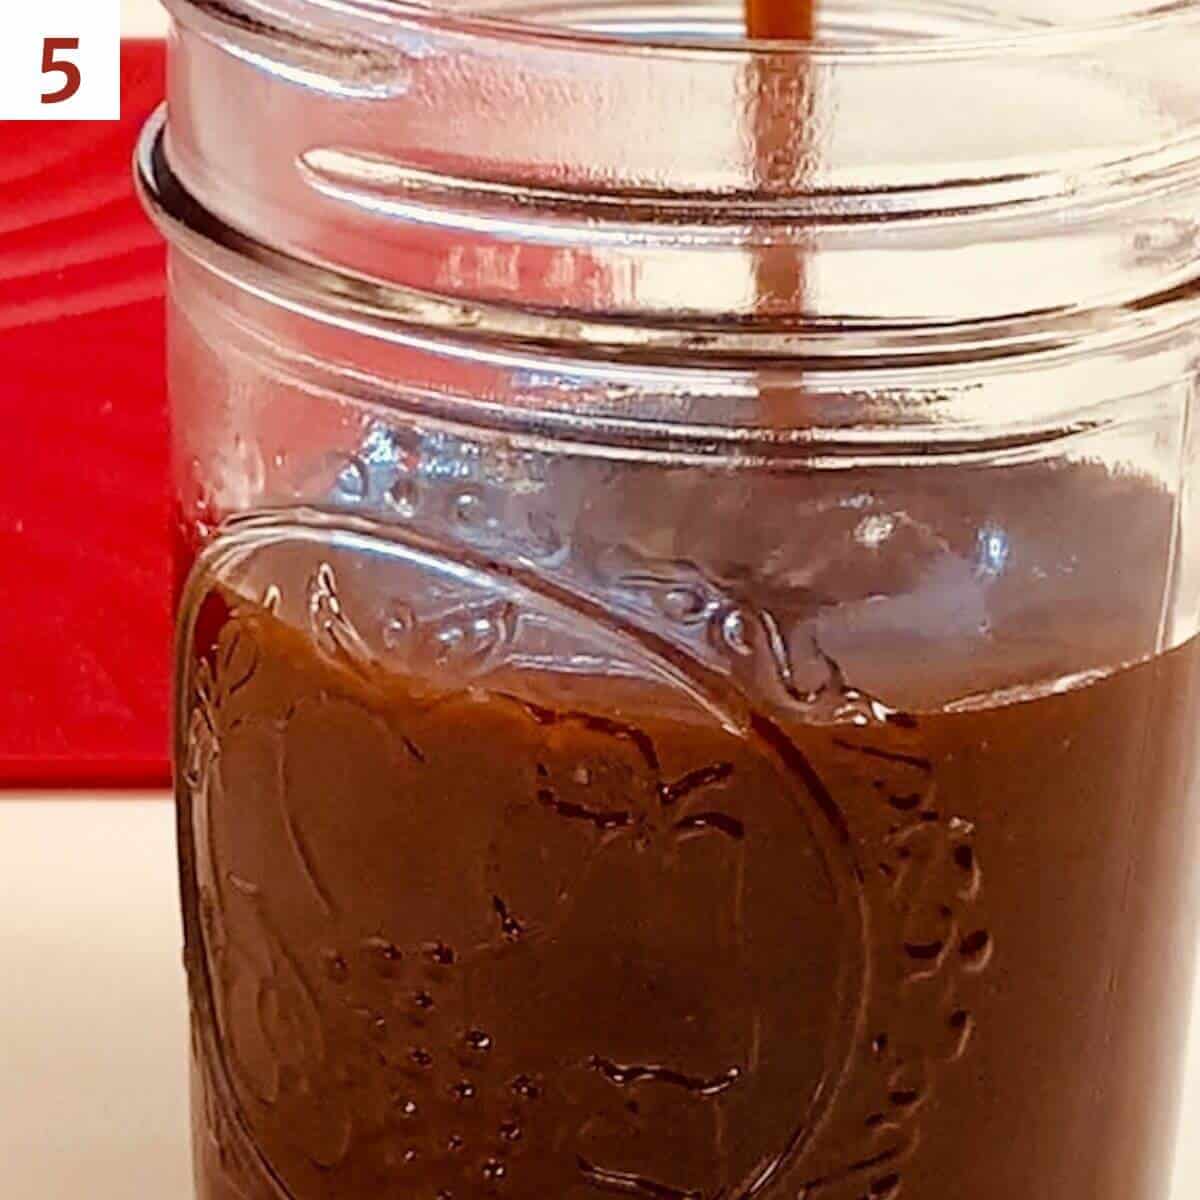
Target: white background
point(24, 26)
point(143, 18)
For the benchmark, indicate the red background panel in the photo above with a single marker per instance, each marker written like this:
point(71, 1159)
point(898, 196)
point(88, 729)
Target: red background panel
point(84, 561)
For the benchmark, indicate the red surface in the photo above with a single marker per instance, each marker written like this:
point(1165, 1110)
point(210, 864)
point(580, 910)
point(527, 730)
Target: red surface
point(84, 561)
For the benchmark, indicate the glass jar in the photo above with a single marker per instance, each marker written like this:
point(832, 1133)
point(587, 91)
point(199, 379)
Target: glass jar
point(687, 663)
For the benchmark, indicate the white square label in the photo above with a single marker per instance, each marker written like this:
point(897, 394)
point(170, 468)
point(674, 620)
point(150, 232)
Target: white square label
point(60, 60)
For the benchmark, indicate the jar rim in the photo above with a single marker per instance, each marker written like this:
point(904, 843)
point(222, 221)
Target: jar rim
point(280, 277)
point(1016, 41)
point(700, 188)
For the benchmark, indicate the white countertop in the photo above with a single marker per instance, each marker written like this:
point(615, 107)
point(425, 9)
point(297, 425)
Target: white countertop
point(93, 1024)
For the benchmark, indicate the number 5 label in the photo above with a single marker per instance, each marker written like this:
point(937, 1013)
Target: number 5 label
point(60, 60)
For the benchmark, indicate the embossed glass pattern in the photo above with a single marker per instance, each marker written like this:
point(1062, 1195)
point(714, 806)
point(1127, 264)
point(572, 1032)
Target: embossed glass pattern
point(644, 733)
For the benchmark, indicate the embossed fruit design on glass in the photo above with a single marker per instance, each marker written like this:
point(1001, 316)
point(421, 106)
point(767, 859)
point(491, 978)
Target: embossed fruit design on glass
point(687, 673)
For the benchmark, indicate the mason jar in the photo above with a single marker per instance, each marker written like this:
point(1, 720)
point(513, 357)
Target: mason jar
point(688, 583)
